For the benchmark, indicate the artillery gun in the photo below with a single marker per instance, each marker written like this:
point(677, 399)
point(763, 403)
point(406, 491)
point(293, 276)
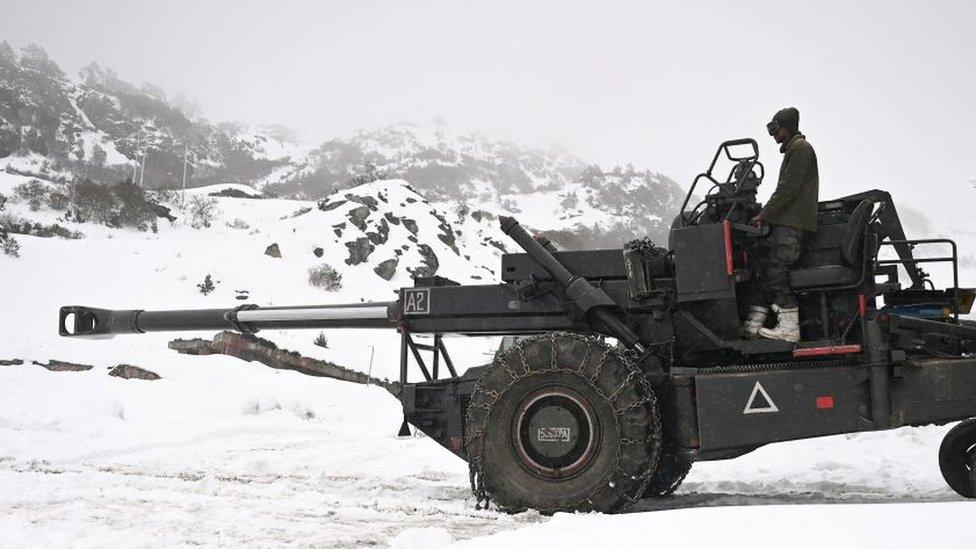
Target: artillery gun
point(629, 365)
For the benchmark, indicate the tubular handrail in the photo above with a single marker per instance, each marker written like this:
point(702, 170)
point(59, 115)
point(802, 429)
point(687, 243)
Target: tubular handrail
point(954, 259)
point(725, 147)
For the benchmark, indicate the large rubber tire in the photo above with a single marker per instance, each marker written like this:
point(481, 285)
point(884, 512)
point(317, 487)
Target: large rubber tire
point(672, 468)
point(607, 453)
point(957, 458)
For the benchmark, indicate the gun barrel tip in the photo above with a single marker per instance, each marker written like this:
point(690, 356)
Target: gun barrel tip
point(506, 222)
point(75, 320)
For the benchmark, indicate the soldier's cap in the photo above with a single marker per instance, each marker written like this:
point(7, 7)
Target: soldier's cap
point(788, 118)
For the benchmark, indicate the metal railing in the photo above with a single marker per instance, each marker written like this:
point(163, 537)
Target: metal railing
point(954, 259)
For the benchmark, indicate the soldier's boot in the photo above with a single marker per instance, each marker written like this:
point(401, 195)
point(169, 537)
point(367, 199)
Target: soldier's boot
point(787, 325)
point(755, 321)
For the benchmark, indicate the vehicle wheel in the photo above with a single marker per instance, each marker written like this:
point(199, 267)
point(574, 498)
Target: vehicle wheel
point(672, 468)
point(957, 458)
point(562, 422)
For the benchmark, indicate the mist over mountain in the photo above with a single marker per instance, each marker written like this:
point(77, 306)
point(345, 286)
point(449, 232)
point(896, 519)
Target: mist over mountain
point(100, 127)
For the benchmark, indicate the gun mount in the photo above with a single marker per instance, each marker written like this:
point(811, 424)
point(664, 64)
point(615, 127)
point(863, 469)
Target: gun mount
point(629, 365)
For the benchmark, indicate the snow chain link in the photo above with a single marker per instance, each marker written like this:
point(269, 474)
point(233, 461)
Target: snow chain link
point(479, 488)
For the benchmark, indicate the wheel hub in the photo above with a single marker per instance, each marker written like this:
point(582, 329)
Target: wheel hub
point(554, 431)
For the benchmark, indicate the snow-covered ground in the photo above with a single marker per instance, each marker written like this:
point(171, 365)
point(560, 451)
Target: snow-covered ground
point(224, 452)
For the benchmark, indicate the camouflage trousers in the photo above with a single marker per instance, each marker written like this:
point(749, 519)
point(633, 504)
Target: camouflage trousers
point(772, 259)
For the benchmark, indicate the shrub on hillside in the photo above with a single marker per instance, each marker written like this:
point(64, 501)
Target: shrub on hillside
point(134, 209)
point(461, 210)
point(58, 200)
point(207, 285)
point(238, 223)
point(367, 173)
point(34, 193)
point(569, 201)
point(510, 205)
point(202, 211)
point(92, 202)
point(325, 277)
point(8, 245)
point(12, 224)
point(119, 205)
point(168, 196)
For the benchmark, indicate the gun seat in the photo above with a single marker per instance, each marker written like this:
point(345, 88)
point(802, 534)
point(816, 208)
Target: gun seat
point(833, 256)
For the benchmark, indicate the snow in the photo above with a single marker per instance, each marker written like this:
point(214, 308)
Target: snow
point(796, 526)
point(221, 452)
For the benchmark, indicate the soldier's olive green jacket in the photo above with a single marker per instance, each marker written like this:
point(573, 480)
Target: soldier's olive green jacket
point(794, 202)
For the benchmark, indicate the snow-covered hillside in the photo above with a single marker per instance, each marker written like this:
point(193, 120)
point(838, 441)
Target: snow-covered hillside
point(580, 205)
point(225, 452)
point(374, 236)
point(103, 128)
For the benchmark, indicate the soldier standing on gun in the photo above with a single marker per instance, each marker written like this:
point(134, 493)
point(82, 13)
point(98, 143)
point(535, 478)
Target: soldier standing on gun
point(791, 215)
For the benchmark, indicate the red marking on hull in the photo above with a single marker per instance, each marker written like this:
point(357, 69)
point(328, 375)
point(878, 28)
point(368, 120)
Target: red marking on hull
point(830, 350)
point(727, 233)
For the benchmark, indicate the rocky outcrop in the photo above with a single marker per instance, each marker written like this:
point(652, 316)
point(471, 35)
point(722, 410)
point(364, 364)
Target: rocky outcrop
point(61, 366)
point(357, 216)
point(382, 233)
point(386, 269)
point(410, 224)
point(429, 265)
point(128, 371)
point(359, 250)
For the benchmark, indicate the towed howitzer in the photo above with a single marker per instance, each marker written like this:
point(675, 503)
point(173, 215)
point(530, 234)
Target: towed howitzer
point(629, 365)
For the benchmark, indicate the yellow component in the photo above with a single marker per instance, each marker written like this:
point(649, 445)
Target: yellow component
point(964, 300)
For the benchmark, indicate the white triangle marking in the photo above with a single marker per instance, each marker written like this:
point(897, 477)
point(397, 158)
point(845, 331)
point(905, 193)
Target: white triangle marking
point(750, 405)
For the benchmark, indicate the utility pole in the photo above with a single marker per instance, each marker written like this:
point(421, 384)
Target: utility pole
point(183, 196)
point(135, 165)
point(142, 172)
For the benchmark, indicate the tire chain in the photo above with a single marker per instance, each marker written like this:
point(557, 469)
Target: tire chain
point(677, 467)
point(483, 493)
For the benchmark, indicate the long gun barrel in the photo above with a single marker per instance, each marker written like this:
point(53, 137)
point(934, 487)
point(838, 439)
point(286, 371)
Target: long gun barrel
point(78, 321)
point(592, 305)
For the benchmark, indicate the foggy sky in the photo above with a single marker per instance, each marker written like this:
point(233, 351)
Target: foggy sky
point(885, 89)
